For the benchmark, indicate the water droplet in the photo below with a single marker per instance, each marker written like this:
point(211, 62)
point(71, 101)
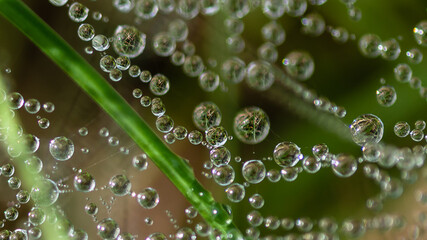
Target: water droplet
point(299, 65)
point(128, 41)
point(386, 96)
point(253, 171)
point(148, 198)
point(367, 128)
point(251, 125)
point(78, 12)
point(61, 148)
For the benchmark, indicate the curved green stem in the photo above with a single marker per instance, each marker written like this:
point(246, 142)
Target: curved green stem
point(174, 167)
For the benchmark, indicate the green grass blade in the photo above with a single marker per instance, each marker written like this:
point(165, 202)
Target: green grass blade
point(174, 167)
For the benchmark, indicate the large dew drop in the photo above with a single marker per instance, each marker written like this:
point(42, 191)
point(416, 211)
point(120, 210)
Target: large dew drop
point(251, 125)
point(45, 192)
point(299, 65)
point(61, 148)
point(287, 154)
point(367, 128)
point(253, 171)
point(128, 41)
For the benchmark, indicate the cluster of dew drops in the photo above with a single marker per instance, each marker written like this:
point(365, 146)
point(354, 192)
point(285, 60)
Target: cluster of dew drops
point(251, 124)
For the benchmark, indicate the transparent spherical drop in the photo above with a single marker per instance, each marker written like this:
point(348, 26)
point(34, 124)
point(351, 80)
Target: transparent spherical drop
point(122, 63)
point(353, 228)
point(287, 154)
point(86, 32)
point(254, 218)
point(124, 6)
point(157, 107)
point(339, 34)
point(414, 55)
point(206, 115)
point(91, 208)
point(274, 33)
point(256, 201)
point(344, 165)
point(134, 71)
point(140, 162)
point(209, 81)
point(148, 198)
point(390, 49)
point(43, 123)
point(210, 7)
point(369, 45)
point(299, 65)
point(372, 152)
point(78, 12)
point(223, 175)
point(115, 75)
point(164, 124)
point(128, 41)
point(386, 96)
point(16, 101)
point(237, 8)
point(164, 44)
point(193, 66)
point(320, 151)
point(253, 171)
point(79, 234)
point(420, 33)
point(11, 214)
point(289, 174)
point(7, 170)
point(108, 229)
point(188, 8)
point(195, 137)
point(120, 185)
point(84, 182)
point(417, 135)
point(14, 183)
point(156, 236)
point(216, 136)
point(185, 233)
point(367, 128)
point(295, 8)
point(166, 6)
point(61, 148)
point(251, 125)
point(100, 43)
point(145, 76)
point(268, 52)
point(313, 24)
point(273, 8)
point(260, 75)
point(178, 29)
point(32, 106)
point(234, 26)
point(233, 70)
point(146, 9)
point(45, 192)
point(403, 73)
point(36, 216)
point(107, 63)
point(58, 3)
point(235, 192)
point(159, 84)
point(235, 43)
point(178, 58)
point(23, 196)
point(220, 156)
point(311, 164)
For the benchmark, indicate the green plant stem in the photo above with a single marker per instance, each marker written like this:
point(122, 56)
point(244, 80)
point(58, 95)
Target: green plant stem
point(174, 167)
